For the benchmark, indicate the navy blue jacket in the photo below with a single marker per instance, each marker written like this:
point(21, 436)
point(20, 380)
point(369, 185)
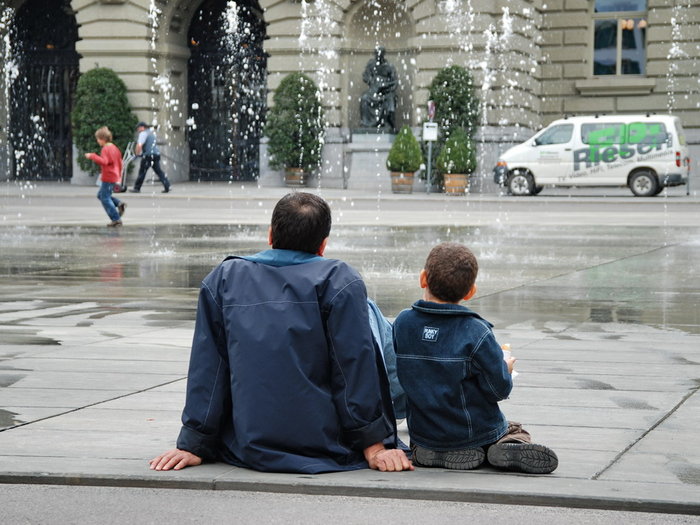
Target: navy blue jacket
point(284, 374)
point(453, 372)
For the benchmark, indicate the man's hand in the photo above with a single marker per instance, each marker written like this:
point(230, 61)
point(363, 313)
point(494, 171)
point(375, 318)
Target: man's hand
point(175, 459)
point(386, 459)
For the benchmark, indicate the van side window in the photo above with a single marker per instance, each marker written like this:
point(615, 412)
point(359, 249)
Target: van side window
point(647, 133)
point(560, 134)
point(603, 133)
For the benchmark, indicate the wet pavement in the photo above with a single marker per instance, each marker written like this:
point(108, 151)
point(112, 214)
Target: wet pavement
point(597, 293)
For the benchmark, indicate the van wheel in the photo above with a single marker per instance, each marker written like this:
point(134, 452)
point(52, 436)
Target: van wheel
point(520, 183)
point(537, 190)
point(644, 183)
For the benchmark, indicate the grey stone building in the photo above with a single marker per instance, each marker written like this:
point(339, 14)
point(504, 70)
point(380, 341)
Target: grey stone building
point(204, 72)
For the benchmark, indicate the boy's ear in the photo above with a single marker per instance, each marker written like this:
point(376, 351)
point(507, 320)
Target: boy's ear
point(471, 293)
point(423, 279)
point(269, 236)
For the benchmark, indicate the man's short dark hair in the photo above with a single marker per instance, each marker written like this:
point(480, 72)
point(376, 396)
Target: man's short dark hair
point(451, 270)
point(300, 221)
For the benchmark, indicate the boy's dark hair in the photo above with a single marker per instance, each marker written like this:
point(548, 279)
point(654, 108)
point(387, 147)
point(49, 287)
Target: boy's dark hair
point(300, 221)
point(451, 270)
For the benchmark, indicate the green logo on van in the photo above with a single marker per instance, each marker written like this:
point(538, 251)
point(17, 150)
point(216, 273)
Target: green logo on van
point(611, 142)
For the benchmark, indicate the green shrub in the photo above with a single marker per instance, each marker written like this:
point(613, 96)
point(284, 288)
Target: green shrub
point(295, 124)
point(457, 155)
point(405, 154)
point(456, 105)
point(100, 100)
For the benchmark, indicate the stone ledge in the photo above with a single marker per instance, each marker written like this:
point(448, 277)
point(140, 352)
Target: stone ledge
point(615, 86)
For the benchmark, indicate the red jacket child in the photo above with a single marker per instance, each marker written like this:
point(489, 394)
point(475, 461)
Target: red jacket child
point(110, 161)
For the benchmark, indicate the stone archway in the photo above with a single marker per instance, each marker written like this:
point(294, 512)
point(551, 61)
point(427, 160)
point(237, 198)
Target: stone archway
point(227, 72)
point(386, 23)
point(43, 45)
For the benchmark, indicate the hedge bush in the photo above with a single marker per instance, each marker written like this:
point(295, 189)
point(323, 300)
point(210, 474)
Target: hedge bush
point(295, 124)
point(457, 155)
point(405, 153)
point(100, 100)
point(456, 105)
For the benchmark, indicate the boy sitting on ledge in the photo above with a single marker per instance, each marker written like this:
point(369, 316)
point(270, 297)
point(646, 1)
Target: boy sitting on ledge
point(454, 374)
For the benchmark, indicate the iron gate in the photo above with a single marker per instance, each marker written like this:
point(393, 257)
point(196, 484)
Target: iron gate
point(226, 93)
point(43, 41)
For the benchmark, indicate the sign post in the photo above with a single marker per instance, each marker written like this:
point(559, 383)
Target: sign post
point(430, 135)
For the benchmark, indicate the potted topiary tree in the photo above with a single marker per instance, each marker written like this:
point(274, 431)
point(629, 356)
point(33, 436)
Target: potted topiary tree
point(295, 128)
point(456, 106)
point(404, 159)
point(100, 100)
point(456, 161)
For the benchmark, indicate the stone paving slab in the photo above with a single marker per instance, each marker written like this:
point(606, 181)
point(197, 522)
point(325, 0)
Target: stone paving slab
point(95, 328)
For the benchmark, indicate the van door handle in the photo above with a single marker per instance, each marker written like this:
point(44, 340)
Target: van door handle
point(567, 149)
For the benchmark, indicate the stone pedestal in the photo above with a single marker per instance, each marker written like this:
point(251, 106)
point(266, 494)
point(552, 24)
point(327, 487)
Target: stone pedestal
point(365, 163)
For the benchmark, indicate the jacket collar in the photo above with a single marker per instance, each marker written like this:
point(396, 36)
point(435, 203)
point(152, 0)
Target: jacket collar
point(430, 307)
point(280, 257)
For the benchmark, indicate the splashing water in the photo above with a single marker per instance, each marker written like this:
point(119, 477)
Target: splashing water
point(315, 39)
point(675, 55)
point(10, 73)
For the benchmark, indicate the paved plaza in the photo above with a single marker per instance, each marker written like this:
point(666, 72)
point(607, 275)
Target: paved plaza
point(597, 292)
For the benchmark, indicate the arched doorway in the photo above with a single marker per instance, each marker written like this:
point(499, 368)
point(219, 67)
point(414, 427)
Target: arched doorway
point(43, 44)
point(226, 90)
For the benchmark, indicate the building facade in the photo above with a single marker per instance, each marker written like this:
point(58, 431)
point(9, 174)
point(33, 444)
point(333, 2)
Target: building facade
point(205, 71)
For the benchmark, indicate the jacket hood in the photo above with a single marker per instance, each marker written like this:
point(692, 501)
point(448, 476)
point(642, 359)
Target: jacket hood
point(279, 257)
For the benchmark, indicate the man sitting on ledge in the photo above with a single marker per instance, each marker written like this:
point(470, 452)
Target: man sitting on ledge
point(284, 373)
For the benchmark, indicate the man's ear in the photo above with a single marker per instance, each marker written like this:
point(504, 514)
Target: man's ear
point(423, 279)
point(269, 236)
point(471, 293)
point(322, 248)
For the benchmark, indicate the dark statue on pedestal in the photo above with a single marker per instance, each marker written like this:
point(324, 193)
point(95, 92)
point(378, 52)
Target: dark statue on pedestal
point(378, 103)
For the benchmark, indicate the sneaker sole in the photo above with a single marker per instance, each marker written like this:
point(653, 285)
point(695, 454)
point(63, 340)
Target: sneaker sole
point(523, 457)
point(466, 459)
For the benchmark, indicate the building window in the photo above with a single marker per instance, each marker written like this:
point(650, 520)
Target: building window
point(619, 37)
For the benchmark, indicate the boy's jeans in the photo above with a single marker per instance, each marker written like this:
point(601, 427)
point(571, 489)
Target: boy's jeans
point(109, 203)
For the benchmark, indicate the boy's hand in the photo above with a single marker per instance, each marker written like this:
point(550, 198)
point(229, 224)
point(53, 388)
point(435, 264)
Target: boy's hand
point(510, 361)
point(87, 156)
point(386, 459)
point(175, 459)
point(508, 357)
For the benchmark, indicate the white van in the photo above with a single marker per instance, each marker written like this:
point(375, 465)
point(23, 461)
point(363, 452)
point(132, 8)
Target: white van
point(644, 152)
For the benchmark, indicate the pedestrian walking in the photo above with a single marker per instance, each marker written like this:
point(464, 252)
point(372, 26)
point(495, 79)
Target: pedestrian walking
point(147, 149)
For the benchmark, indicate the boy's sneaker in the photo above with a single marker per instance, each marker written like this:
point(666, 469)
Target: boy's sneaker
point(465, 459)
point(114, 224)
point(523, 457)
point(121, 208)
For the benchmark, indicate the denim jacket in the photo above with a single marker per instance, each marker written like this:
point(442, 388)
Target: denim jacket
point(454, 375)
